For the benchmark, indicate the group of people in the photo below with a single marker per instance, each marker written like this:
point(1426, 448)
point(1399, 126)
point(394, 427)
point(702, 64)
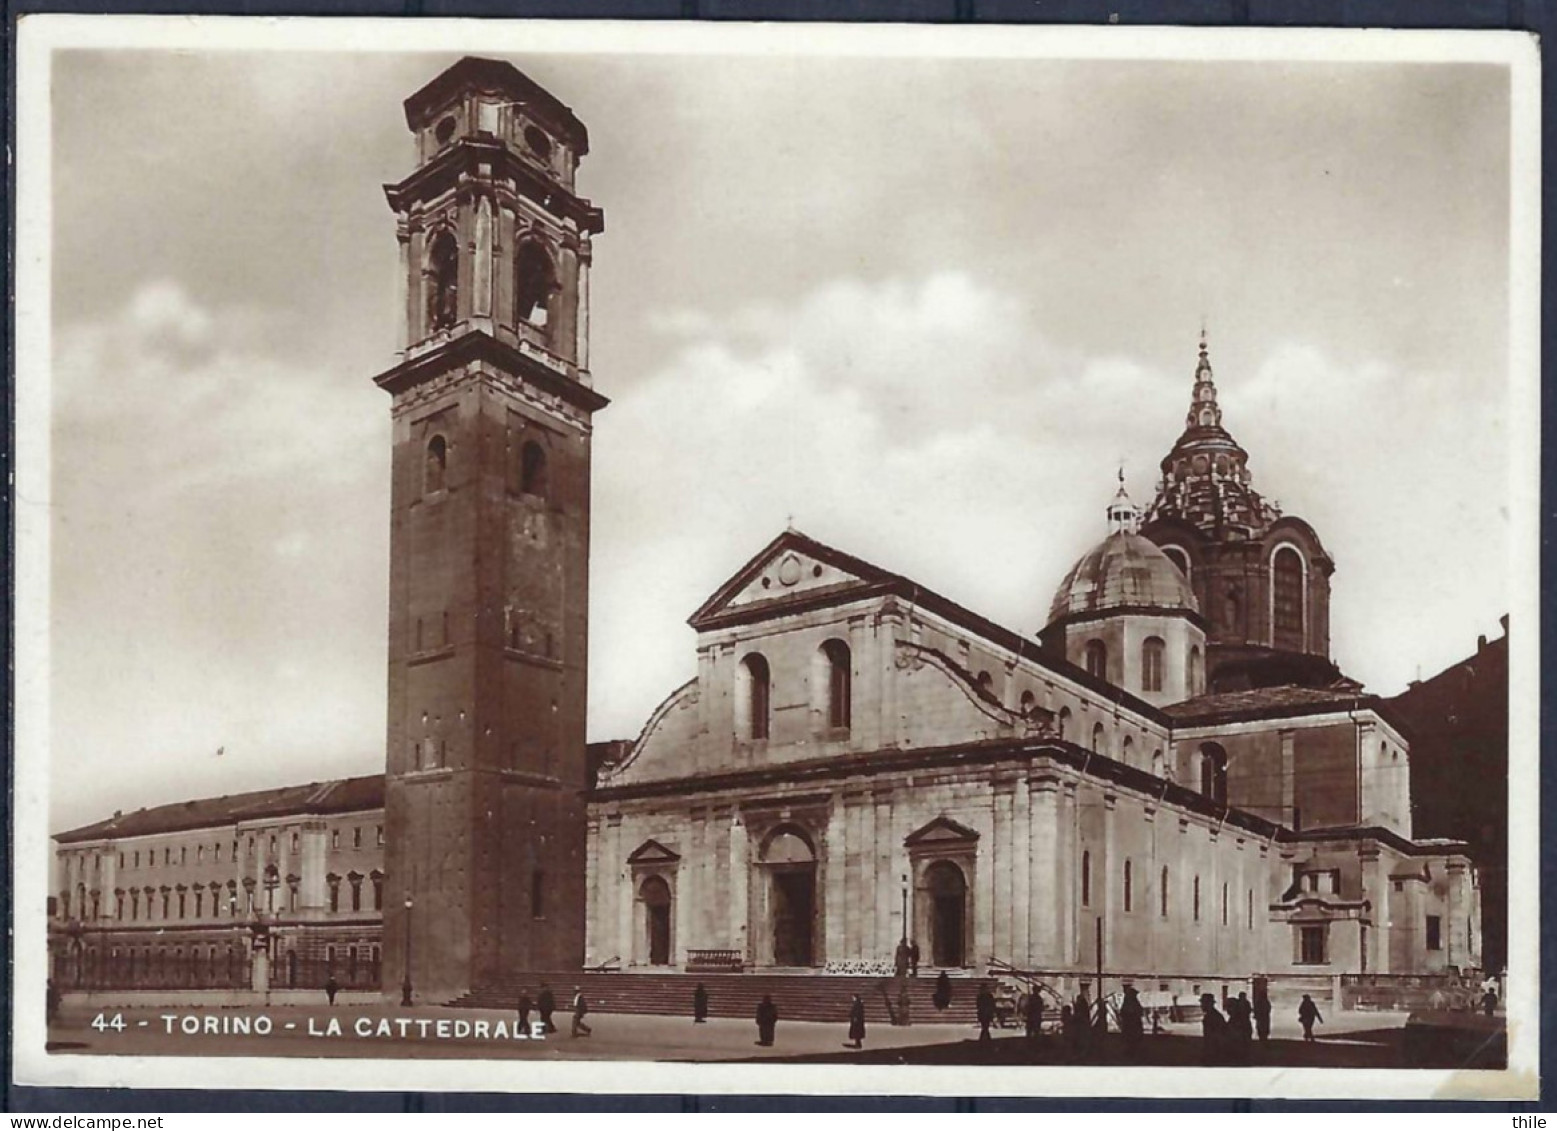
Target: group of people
point(768, 1017)
point(1226, 1038)
point(545, 1004)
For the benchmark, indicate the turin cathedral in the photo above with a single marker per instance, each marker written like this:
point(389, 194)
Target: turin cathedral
point(1171, 782)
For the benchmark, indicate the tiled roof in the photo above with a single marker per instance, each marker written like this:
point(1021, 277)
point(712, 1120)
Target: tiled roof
point(343, 795)
point(1124, 571)
point(1267, 702)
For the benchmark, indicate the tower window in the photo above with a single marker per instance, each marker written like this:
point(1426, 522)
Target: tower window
point(839, 675)
point(443, 267)
point(1098, 738)
point(752, 695)
point(1064, 721)
point(1086, 879)
point(1434, 932)
point(1097, 659)
point(532, 469)
point(1029, 701)
point(1152, 652)
point(436, 471)
point(535, 285)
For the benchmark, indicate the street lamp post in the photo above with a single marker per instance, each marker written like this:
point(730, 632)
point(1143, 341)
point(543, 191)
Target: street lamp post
point(405, 984)
point(905, 908)
point(902, 1017)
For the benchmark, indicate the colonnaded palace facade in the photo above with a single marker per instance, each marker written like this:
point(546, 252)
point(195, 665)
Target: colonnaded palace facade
point(1172, 778)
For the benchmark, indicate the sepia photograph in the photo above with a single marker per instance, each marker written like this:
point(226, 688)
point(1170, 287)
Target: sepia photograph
point(874, 560)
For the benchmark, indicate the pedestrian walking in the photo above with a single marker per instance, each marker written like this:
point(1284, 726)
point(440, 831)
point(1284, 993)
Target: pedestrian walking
point(1213, 1032)
point(546, 1005)
point(1489, 1002)
point(943, 991)
point(913, 959)
point(767, 1020)
point(580, 1008)
point(1131, 1017)
point(1081, 1014)
point(857, 1022)
point(1032, 1015)
point(1240, 1027)
point(1262, 1016)
point(700, 1004)
point(1308, 1013)
point(331, 988)
point(523, 1007)
point(986, 1011)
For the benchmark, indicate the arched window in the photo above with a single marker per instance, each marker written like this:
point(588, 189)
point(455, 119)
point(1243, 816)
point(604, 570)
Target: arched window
point(986, 682)
point(1159, 763)
point(752, 690)
point(437, 467)
point(532, 469)
point(1086, 879)
point(1178, 557)
point(1029, 701)
point(1127, 750)
point(839, 688)
point(1129, 891)
point(1151, 663)
point(1232, 604)
point(1064, 721)
point(1287, 598)
point(1163, 891)
point(535, 283)
point(1213, 773)
point(443, 270)
point(1197, 899)
point(1098, 738)
point(1097, 659)
point(1197, 671)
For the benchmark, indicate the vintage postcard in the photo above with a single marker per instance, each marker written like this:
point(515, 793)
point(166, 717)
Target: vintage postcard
point(786, 559)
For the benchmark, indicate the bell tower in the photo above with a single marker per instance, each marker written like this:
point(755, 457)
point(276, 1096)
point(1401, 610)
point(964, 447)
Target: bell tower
point(489, 539)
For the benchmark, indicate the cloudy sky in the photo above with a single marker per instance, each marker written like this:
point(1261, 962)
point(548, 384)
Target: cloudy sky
point(922, 308)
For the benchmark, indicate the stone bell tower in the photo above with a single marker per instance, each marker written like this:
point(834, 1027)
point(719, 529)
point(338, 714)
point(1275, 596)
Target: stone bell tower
point(489, 538)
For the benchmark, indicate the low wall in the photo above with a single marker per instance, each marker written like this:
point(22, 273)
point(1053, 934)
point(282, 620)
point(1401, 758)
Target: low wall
point(1410, 993)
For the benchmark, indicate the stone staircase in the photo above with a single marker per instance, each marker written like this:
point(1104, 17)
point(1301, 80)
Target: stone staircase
point(799, 997)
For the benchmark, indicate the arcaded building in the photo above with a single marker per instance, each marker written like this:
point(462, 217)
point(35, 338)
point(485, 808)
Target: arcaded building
point(1171, 778)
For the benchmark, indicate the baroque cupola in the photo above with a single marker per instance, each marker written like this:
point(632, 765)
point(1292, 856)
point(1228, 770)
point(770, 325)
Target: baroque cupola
point(1127, 614)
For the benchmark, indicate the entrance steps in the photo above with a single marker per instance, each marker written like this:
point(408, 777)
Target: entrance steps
point(799, 997)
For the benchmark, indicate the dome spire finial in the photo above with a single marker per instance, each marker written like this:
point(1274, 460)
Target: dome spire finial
point(1124, 517)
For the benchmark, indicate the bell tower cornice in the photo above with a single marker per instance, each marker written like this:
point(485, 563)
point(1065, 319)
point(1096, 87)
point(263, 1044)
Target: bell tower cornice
point(474, 166)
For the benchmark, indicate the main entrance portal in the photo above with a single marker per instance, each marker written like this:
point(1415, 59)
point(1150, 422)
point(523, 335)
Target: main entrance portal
point(790, 863)
point(656, 906)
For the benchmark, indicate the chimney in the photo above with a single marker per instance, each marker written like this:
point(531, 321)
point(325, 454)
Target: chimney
point(1481, 642)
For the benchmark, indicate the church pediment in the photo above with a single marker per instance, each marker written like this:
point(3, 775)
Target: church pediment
point(653, 852)
point(790, 569)
point(940, 833)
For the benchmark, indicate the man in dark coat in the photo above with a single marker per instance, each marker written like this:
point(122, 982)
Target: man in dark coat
point(700, 1004)
point(1032, 1015)
point(1131, 1016)
point(1308, 1013)
point(913, 958)
point(767, 1020)
point(1240, 1027)
point(580, 1010)
point(943, 991)
point(546, 1005)
point(331, 988)
point(1081, 1013)
point(900, 958)
point(986, 1011)
point(1262, 1016)
point(524, 1006)
point(857, 1022)
point(1213, 1031)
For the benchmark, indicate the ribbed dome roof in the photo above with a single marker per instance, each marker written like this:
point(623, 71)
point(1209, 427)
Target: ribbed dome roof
point(1124, 570)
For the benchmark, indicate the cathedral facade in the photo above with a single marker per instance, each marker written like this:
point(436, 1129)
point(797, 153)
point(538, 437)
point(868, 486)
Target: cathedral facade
point(1172, 779)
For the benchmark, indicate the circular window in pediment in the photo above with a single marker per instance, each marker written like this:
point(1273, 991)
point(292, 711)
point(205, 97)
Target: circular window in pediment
point(789, 570)
point(444, 131)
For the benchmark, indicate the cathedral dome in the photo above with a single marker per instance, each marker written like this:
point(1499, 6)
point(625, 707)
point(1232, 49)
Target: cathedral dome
point(1125, 570)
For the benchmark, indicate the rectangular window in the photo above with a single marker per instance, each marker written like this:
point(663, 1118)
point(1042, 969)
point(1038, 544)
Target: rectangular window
point(181, 905)
point(381, 836)
point(356, 837)
point(1311, 946)
point(335, 896)
point(1434, 933)
point(335, 838)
